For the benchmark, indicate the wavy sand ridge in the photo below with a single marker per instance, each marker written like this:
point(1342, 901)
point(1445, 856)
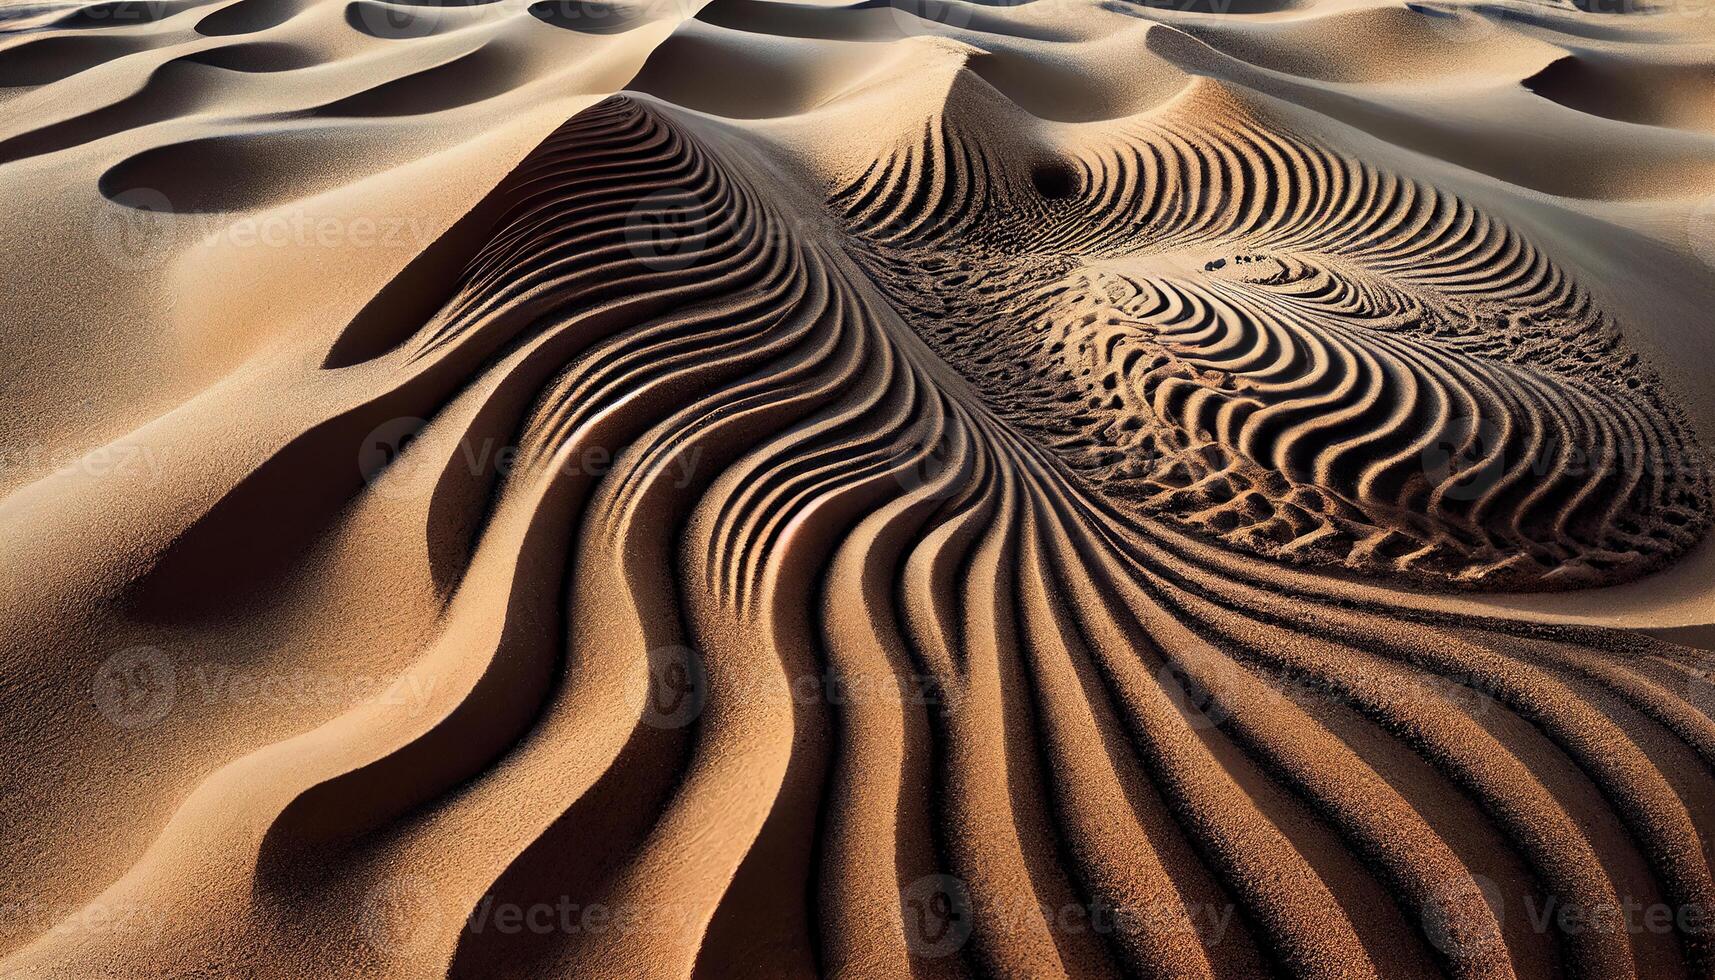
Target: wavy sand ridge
point(1312, 360)
point(912, 681)
point(789, 559)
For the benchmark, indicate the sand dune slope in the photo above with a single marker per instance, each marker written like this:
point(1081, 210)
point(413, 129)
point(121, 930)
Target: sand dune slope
point(791, 504)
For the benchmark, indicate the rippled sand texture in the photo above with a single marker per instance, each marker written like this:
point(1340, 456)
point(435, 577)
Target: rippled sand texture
point(1288, 349)
point(777, 490)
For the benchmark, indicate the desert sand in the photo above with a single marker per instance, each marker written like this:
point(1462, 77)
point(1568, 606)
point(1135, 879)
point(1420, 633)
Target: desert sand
point(908, 488)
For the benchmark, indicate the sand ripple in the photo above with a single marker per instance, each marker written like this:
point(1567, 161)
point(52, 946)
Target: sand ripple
point(953, 557)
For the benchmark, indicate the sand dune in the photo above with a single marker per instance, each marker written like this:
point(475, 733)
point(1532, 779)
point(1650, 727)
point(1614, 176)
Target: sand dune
point(781, 489)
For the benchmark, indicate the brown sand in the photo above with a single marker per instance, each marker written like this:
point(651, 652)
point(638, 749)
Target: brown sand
point(766, 489)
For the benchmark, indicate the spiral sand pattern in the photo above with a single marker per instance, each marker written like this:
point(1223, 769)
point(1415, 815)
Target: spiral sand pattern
point(952, 558)
point(1309, 359)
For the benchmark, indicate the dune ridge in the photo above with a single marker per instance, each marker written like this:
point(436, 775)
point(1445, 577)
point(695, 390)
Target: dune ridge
point(881, 532)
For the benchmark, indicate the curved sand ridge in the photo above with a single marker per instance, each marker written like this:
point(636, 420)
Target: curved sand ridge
point(1095, 715)
point(935, 565)
point(1310, 359)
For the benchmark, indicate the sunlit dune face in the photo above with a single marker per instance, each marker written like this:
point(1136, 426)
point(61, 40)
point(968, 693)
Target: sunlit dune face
point(1296, 354)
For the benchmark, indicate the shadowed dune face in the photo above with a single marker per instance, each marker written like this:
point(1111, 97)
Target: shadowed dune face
point(1673, 94)
point(881, 532)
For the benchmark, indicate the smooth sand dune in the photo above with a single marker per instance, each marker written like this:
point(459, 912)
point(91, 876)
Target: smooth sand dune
point(871, 490)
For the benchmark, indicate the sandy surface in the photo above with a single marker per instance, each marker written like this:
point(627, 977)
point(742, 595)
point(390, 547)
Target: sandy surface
point(906, 488)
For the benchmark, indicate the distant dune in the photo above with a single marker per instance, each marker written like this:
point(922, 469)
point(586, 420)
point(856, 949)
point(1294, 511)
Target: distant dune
point(923, 488)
